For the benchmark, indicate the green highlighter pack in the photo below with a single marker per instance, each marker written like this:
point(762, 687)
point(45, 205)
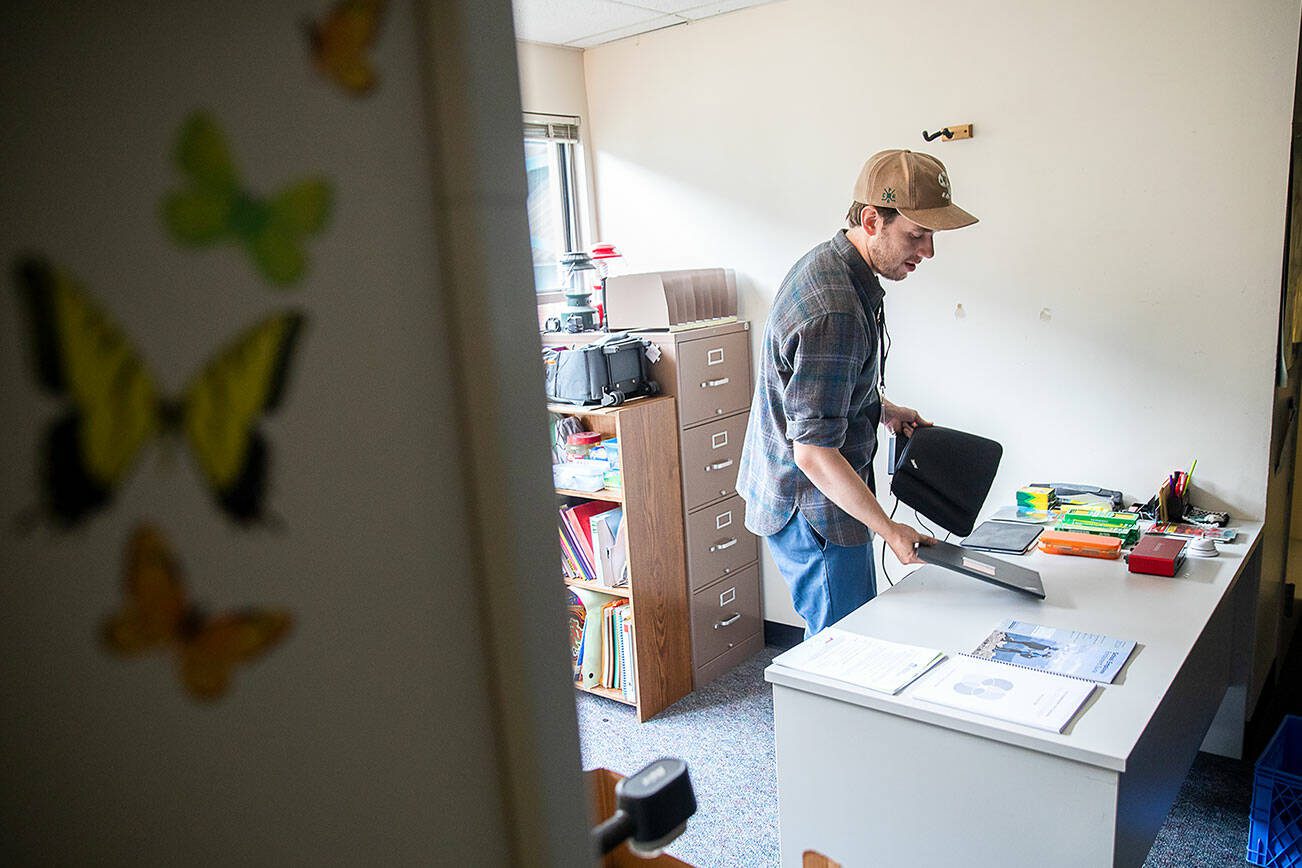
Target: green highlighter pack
point(1122, 525)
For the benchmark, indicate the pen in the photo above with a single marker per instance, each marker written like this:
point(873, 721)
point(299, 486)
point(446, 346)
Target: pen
point(1189, 476)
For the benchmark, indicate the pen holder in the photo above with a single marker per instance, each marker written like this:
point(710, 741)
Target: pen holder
point(1170, 506)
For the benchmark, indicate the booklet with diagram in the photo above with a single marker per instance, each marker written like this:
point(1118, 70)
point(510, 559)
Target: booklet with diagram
point(1088, 656)
point(1011, 693)
point(887, 667)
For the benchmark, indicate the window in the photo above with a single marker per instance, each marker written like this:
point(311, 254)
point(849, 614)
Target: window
point(551, 161)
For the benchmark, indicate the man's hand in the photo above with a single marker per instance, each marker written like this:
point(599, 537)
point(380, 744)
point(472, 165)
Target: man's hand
point(902, 420)
point(902, 539)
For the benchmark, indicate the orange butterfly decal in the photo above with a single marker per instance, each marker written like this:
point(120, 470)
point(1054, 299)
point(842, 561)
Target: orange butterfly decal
point(156, 615)
point(341, 40)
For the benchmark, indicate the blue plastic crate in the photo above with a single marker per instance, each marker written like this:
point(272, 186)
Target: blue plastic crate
point(1275, 821)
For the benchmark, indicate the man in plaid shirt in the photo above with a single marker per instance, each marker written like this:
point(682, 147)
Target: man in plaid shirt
point(806, 468)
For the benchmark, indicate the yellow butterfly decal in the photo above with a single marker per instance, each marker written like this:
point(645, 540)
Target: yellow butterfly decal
point(341, 40)
point(156, 616)
point(83, 356)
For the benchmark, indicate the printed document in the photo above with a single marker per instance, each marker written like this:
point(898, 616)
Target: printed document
point(1073, 653)
point(1010, 693)
point(887, 667)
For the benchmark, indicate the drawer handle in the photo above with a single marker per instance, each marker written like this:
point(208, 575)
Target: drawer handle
point(727, 544)
point(719, 465)
point(710, 384)
point(729, 622)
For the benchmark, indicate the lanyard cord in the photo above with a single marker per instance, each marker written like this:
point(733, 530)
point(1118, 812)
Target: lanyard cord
point(883, 350)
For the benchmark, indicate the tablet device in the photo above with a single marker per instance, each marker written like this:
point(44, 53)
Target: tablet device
point(983, 567)
point(1005, 537)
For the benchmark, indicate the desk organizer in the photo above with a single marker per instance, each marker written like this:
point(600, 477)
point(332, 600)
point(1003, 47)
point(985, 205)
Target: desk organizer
point(1275, 820)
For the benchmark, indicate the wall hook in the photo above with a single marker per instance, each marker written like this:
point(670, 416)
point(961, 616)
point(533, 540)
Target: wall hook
point(951, 132)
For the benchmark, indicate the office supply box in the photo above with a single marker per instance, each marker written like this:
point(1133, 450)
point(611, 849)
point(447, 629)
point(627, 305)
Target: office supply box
point(1157, 555)
point(1088, 545)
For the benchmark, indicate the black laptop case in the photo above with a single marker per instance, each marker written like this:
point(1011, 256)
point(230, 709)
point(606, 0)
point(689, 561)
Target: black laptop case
point(945, 475)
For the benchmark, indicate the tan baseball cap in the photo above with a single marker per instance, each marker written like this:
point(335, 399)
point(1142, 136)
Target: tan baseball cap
point(914, 184)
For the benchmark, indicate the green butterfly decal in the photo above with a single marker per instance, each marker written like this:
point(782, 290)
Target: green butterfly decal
point(214, 208)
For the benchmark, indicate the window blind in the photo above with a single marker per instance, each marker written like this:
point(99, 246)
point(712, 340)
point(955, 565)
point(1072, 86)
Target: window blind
point(551, 128)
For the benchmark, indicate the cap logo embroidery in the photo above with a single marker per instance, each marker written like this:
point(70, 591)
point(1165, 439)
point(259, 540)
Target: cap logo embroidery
point(888, 195)
point(944, 185)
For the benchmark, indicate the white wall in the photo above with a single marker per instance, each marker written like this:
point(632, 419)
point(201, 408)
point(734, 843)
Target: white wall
point(1120, 293)
point(551, 82)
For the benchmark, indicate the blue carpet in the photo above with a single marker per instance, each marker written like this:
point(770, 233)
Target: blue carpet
point(725, 733)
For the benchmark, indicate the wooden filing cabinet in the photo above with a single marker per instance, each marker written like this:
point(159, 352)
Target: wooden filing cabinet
point(708, 370)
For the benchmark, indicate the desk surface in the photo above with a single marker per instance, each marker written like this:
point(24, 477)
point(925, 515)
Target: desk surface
point(940, 609)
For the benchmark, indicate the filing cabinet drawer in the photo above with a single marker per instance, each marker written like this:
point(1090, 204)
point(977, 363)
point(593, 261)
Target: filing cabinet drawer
point(713, 377)
point(725, 614)
point(718, 543)
point(711, 454)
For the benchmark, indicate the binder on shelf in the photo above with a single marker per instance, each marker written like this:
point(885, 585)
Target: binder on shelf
point(610, 544)
point(591, 651)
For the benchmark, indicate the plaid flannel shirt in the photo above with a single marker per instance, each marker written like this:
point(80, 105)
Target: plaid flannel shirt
point(818, 384)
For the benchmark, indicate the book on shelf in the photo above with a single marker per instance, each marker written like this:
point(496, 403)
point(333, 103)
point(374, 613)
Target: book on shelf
point(628, 681)
point(576, 522)
point(1040, 700)
point(1073, 653)
point(578, 613)
point(864, 661)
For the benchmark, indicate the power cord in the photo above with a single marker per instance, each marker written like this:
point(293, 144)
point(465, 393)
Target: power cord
point(886, 574)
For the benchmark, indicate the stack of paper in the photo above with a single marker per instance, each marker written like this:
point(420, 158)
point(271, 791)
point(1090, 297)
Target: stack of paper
point(887, 667)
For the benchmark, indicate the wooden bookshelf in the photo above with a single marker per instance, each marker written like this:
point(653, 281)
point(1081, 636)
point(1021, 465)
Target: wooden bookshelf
point(608, 494)
point(653, 510)
point(599, 588)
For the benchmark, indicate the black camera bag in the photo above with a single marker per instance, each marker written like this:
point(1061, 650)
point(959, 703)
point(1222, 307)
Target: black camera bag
point(607, 372)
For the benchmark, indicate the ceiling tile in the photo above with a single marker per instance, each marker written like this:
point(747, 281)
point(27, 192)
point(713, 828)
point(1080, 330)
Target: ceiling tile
point(698, 10)
point(564, 21)
point(623, 32)
point(661, 5)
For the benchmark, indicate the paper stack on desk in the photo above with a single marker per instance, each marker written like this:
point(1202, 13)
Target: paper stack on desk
point(887, 667)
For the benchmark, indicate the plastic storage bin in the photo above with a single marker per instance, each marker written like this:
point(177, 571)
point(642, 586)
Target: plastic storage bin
point(1275, 821)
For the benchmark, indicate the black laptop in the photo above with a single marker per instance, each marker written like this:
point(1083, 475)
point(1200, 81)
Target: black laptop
point(983, 567)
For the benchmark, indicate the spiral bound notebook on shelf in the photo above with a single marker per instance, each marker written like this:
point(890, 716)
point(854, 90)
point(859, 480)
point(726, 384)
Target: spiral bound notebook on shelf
point(1073, 653)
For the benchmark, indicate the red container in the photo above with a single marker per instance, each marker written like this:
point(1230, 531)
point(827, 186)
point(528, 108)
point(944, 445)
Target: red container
point(1157, 555)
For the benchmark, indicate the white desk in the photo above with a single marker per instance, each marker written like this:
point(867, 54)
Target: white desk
point(871, 779)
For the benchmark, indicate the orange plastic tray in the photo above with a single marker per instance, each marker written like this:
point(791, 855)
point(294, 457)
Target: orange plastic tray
point(1062, 542)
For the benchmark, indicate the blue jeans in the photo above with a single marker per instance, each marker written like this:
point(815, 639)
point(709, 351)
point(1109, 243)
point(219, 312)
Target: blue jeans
point(827, 581)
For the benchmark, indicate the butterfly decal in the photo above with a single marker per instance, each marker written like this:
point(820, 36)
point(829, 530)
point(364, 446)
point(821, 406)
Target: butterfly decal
point(214, 208)
point(157, 616)
point(341, 40)
point(114, 407)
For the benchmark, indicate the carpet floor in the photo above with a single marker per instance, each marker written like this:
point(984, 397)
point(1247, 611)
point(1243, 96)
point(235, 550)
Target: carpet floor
point(725, 733)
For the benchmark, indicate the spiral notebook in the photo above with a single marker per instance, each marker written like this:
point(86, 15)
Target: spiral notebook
point(1011, 693)
point(1071, 653)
